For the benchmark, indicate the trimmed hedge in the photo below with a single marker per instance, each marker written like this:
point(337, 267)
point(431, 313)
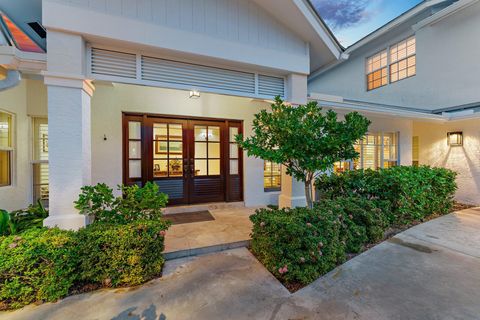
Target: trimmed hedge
point(43, 265)
point(412, 192)
point(301, 244)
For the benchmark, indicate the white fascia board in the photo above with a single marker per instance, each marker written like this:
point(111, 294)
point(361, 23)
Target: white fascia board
point(29, 62)
point(442, 14)
point(319, 27)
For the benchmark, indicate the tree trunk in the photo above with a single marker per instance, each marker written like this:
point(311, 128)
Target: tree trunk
point(308, 193)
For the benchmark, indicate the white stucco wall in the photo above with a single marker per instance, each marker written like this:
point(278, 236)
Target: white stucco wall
point(15, 101)
point(465, 160)
point(108, 103)
point(447, 67)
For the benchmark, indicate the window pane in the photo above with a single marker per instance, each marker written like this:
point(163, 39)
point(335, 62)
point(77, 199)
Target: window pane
point(5, 130)
point(175, 150)
point(200, 167)
point(213, 167)
point(272, 175)
point(135, 168)
point(161, 149)
point(233, 133)
point(4, 168)
point(200, 133)
point(40, 183)
point(175, 132)
point(200, 149)
point(160, 168)
point(134, 149)
point(233, 167)
point(213, 133)
point(40, 139)
point(134, 130)
point(175, 168)
point(233, 150)
point(160, 131)
point(214, 150)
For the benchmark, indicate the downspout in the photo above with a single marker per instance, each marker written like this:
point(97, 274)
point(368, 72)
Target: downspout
point(9, 78)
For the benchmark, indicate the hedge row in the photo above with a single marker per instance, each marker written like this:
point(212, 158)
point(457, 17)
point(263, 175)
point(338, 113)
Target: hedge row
point(412, 192)
point(299, 245)
point(42, 265)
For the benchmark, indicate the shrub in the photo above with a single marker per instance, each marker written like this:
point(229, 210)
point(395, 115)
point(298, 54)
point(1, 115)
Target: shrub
point(118, 255)
point(38, 265)
point(136, 203)
point(297, 245)
point(20, 220)
point(412, 193)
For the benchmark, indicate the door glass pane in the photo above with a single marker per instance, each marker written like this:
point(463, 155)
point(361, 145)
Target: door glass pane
point(135, 168)
point(233, 133)
point(175, 150)
point(134, 130)
point(175, 132)
point(160, 168)
point(160, 131)
point(134, 149)
point(214, 150)
point(233, 167)
point(160, 149)
point(200, 149)
point(200, 133)
point(200, 167)
point(233, 150)
point(175, 167)
point(213, 167)
point(213, 133)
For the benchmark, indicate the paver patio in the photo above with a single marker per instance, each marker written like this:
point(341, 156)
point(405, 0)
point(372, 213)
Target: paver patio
point(431, 271)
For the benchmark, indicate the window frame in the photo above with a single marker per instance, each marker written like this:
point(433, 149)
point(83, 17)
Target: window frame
point(367, 73)
point(271, 189)
point(10, 150)
point(390, 63)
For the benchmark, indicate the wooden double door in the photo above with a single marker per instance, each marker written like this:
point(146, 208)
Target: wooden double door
point(191, 160)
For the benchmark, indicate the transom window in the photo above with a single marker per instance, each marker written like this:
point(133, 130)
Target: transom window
point(377, 70)
point(6, 149)
point(392, 64)
point(272, 176)
point(376, 150)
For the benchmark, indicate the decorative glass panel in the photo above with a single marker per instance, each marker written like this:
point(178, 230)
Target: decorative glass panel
point(213, 167)
point(134, 130)
point(233, 150)
point(233, 167)
point(134, 149)
point(135, 168)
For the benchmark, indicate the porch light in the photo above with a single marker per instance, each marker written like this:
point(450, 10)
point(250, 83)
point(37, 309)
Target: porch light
point(455, 139)
point(194, 94)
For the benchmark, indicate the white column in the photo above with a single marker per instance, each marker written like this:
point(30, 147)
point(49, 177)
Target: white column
point(293, 191)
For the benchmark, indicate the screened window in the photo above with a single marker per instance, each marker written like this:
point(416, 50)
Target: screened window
point(376, 150)
point(403, 62)
point(377, 74)
point(272, 176)
point(6, 149)
point(40, 161)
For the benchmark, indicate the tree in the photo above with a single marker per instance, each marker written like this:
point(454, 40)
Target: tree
point(304, 139)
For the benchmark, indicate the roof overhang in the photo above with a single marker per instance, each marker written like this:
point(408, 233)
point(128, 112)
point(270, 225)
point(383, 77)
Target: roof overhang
point(300, 17)
point(28, 62)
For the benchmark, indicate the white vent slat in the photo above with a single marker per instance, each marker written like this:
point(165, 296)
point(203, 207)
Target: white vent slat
point(113, 63)
point(187, 74)
point(271, 86)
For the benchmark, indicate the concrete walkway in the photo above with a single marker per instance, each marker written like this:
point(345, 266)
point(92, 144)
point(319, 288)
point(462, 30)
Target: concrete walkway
point(431, 271)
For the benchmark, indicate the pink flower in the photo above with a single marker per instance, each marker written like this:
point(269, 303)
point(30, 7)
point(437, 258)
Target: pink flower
point(163, 233)
point(12, 245)
point(283, 270)
point(262, 224)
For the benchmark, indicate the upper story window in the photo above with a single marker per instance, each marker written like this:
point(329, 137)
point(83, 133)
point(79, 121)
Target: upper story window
point(6, 149)
point(377, 70)
point(403, 60)
point(391, 65)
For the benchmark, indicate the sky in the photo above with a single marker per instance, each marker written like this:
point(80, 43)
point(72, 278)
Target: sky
point(351, 20)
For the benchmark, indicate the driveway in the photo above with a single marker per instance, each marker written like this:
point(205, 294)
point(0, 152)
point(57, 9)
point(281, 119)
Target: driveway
point(431, 271)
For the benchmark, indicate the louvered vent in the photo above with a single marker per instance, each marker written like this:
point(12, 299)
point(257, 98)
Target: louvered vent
point(271, 86)
point(192, 75)
point(113, 63)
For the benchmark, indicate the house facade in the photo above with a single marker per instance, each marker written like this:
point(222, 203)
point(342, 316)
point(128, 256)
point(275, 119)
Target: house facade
point(416, 77)
point(135, 91)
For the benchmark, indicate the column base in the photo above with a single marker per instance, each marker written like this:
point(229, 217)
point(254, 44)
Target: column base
point(66, 222)
point(291, 202)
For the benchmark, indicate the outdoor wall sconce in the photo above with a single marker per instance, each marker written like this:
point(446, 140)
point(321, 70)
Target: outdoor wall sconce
point(194, 94)
point(455, 139)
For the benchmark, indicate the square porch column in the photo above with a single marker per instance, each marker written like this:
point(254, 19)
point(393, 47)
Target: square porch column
point(293, 191)
point(69, 148)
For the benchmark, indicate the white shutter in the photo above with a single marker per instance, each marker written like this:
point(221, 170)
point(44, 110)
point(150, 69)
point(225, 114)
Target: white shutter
point(113, 63)
point(271, 86)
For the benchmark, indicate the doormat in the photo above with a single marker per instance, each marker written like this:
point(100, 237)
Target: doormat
point(189, 217)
